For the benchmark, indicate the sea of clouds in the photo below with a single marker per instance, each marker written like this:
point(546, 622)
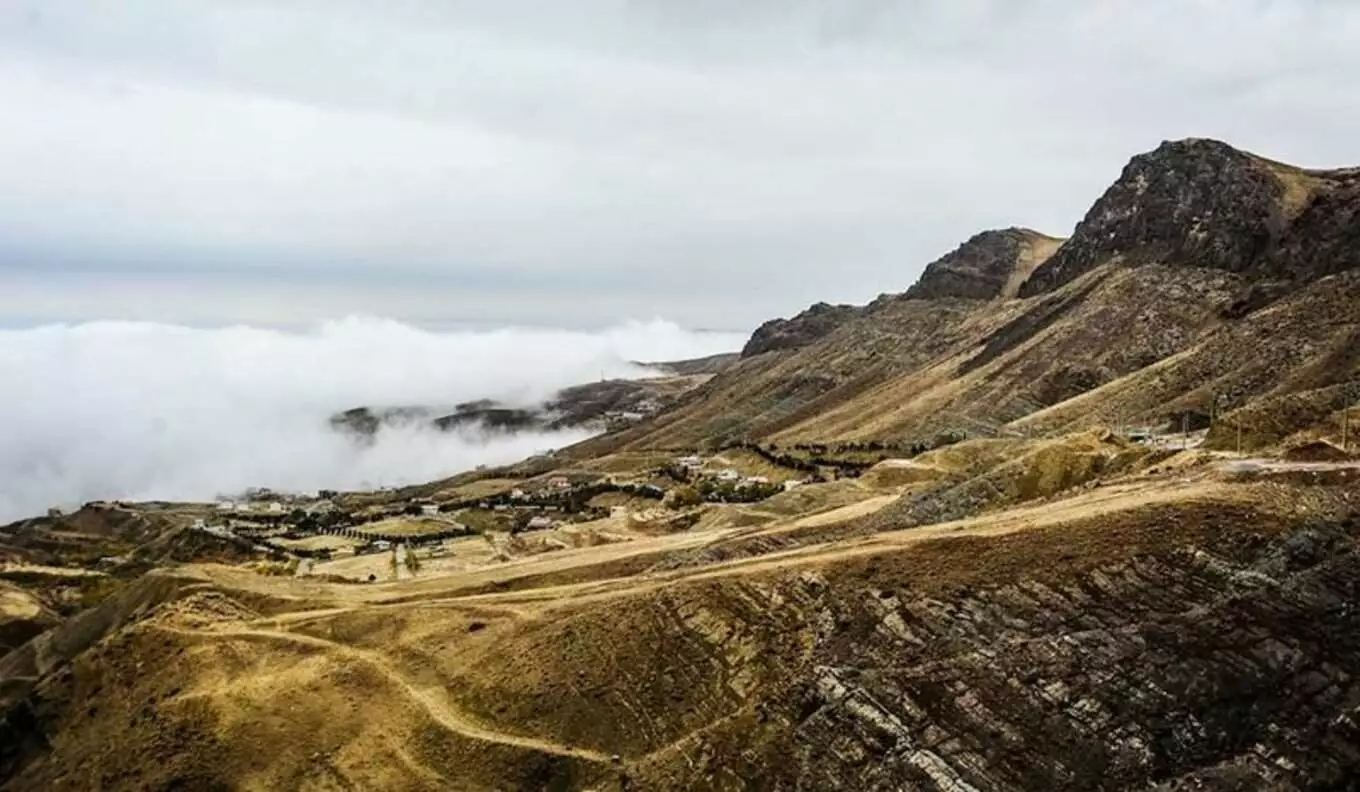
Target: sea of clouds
point(140, 411)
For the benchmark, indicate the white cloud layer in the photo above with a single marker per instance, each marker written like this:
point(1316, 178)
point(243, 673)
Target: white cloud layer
point(644, 152)
point(154, 411)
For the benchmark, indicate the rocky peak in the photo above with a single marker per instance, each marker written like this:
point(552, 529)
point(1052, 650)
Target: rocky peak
point(1194, 202)
point(802, 330)
point(990, 264)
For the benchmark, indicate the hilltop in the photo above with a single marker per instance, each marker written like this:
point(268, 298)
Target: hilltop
point(1065, 514)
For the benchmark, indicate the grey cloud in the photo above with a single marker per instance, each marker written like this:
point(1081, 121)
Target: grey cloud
point(662, 154)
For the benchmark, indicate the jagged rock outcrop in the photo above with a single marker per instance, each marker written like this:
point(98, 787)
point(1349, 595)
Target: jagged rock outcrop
point(805, 329)
point(1194, 202)
point(989, 265)
point(1203, 203)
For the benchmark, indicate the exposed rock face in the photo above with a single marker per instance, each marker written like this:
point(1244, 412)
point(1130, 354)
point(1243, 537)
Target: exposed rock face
point(982, 267)
point(1193, 202)
point(1218, 669)
point(1202, 203)
point(1324, 238)
point(802, 330)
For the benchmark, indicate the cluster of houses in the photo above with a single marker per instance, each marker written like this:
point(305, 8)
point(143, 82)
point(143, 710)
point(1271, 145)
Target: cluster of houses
point(246, 507)
point(694, 466)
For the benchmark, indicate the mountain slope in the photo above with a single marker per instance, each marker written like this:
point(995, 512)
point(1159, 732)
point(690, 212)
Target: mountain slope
point(1166, 273)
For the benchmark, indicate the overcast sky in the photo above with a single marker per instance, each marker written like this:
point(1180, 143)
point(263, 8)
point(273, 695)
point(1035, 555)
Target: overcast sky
point(714, 163)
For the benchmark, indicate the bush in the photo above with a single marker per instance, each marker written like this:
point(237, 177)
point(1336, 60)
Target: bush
point(684, 497)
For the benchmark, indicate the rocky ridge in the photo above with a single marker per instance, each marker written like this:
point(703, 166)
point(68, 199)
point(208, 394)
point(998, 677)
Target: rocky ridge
point(1203, 203)
point(1195, 243)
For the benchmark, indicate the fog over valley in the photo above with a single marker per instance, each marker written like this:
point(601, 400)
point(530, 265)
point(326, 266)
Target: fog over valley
point(133, 410)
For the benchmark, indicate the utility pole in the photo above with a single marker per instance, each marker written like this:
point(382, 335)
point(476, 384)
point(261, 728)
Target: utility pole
point(1185, 431)
point(1239, 436)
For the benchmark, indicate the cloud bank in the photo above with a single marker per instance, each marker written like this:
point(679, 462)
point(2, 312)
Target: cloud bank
point(716, 163)
point(154, 411)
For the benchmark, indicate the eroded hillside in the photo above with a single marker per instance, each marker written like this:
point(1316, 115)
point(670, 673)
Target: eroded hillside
point(1168, 631)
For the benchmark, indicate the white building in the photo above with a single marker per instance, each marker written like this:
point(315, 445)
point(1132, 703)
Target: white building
point(226, 506)
point(757, 480)
point(728, 474)
point(243, 508)
point(199, 524)
point(274, 507)
point(540, 523)
point(382, 544)
point(690, 462)
point(429, 509)
point(517, 494)
point(791, 484)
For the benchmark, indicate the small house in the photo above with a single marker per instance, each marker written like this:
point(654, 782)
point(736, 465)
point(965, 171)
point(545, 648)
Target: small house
point(791, 484)
point(757, 480)
point(540, 523)
point(429, 509)
point(243, 508)
point(559, 482)
point(226, 506)
point(381, 545)
point(517, 494)
point(274, 507)
point(729, 474)
point(200, 524)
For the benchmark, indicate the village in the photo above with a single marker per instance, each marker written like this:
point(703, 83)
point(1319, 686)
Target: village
point(391, 534)
point(495, 515)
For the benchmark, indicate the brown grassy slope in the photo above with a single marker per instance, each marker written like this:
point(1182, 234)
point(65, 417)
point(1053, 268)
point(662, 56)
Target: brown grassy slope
point(778, 387)
point(1103, 326)
point(705, 680)
point(1308, 341)
point(916, 368)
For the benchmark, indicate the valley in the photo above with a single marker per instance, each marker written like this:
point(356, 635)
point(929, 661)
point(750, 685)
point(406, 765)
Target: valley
point(1064, 514)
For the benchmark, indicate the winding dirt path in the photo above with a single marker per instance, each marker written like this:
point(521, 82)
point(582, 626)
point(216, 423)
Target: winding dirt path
point(430, 698)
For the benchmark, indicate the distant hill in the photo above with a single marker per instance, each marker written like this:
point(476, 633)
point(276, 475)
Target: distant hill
point(597, 405)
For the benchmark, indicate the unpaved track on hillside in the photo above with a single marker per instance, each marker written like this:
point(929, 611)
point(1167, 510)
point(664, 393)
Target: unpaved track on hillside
point(532, 603)
point(430, 698)
point(537, 603)
point(1111, 500)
